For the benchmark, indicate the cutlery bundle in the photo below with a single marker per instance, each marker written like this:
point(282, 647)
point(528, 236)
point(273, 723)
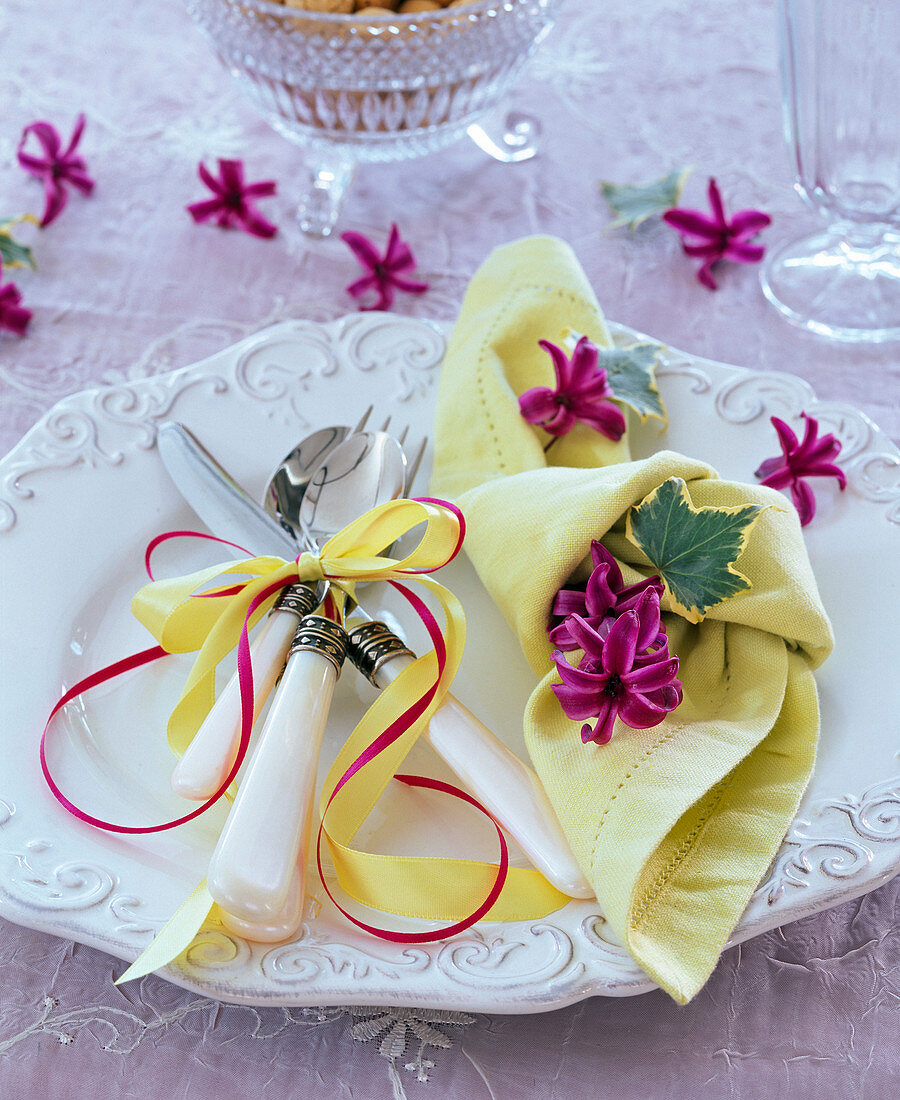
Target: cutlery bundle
point(257, 871)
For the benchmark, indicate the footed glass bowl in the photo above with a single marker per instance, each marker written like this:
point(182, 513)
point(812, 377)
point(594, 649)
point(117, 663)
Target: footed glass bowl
point(352, 88)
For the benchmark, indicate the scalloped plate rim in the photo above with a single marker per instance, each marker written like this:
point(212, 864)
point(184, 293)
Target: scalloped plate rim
point(582, 973)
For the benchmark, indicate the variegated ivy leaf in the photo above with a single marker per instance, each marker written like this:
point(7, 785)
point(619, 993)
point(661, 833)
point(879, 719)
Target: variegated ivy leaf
point(12, 253)
point(631, 375)
point(692, 549)
point(635, 203)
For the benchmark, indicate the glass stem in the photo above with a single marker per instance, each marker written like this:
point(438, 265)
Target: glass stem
point(321, 204)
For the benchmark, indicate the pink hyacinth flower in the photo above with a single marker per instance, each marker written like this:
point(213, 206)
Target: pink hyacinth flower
point(613, 681)
point(713, 238)
point(13, 316)
point(582, 393)
point(384, 274)
point(603, 600)
point(811, 458)
point(56, 167)
point(232, 206)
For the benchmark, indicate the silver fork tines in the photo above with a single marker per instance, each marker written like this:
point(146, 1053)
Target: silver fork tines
point(413, 462)
point(363, 420)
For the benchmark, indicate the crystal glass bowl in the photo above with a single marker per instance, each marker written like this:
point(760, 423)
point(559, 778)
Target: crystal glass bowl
point(351, 88)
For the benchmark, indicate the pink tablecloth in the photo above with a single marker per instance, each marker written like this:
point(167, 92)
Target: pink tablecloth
point(128, 286)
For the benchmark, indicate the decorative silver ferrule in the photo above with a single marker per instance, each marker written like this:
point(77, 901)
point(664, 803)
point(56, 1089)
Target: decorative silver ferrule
point(299, 599)
point(316, 634)
point(370, 644)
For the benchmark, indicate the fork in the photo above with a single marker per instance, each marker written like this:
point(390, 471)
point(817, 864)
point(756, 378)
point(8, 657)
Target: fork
point(509, 789)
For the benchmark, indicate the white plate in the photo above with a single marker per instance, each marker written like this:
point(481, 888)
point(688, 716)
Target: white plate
point(84, 491)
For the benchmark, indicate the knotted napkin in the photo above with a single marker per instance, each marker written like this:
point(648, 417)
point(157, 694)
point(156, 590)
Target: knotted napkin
point(674, 826)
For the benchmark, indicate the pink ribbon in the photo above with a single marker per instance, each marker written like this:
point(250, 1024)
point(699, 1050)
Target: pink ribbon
point(396, 729)
point(245, 677)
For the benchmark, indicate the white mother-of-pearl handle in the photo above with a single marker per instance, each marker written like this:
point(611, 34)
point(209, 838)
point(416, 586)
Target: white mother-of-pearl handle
point(207, 760)
point(283, 927)
point(266, 835)
point(209, 757)
point(505, 786)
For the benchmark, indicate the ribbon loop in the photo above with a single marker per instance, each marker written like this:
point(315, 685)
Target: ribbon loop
point(182, 622)
point(198, 613)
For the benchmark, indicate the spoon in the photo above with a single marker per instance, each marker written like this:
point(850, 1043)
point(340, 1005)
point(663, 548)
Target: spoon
point(267, 830)
point(509, 789)
point(209, 757)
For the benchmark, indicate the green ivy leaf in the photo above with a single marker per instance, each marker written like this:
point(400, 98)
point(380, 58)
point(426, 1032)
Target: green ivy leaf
point(693, 549)
point(634, 203)
point(12, 253)
point(631, 375)
point(630, 372)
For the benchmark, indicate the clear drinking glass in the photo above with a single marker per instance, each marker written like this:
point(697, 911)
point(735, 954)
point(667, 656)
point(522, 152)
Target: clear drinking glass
point(840, 67)
point(351, 89)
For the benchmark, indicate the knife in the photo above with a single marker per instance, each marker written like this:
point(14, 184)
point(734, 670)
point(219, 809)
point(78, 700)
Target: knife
point(224, 506)
point(240, 874)
point(230, 512)
point(510, 790)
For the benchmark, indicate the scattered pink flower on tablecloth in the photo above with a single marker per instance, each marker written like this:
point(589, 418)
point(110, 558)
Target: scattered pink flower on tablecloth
point(717, 238)
point(582, 393)
point(813, 457)
point(13, 316)
point(600, 603)
point(384, 273)
point(625, 674)
point(232, 206)
point(56, 167)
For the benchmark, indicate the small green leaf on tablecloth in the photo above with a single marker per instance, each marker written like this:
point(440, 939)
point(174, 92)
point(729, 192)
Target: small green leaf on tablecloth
point(693, 549)
point(12, 253)
point(635, 203)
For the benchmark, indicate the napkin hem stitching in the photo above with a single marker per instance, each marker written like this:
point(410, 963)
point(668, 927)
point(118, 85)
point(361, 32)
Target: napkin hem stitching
point(486, 409)
point(651, 751)
point(680, 857)
point(539, 289)
point(636, 765)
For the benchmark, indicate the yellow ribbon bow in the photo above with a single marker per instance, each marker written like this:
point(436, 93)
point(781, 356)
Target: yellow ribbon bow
point(182, 621)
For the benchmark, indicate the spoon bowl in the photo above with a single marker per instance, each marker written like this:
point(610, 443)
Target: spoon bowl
point(308, 491)
point(367, 469)
point(288, 483)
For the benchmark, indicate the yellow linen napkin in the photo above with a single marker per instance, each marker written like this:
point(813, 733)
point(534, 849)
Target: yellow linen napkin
point(674, 826)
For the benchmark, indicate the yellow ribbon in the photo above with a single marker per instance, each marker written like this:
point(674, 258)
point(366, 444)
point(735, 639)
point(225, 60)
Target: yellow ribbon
point(181, 621)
